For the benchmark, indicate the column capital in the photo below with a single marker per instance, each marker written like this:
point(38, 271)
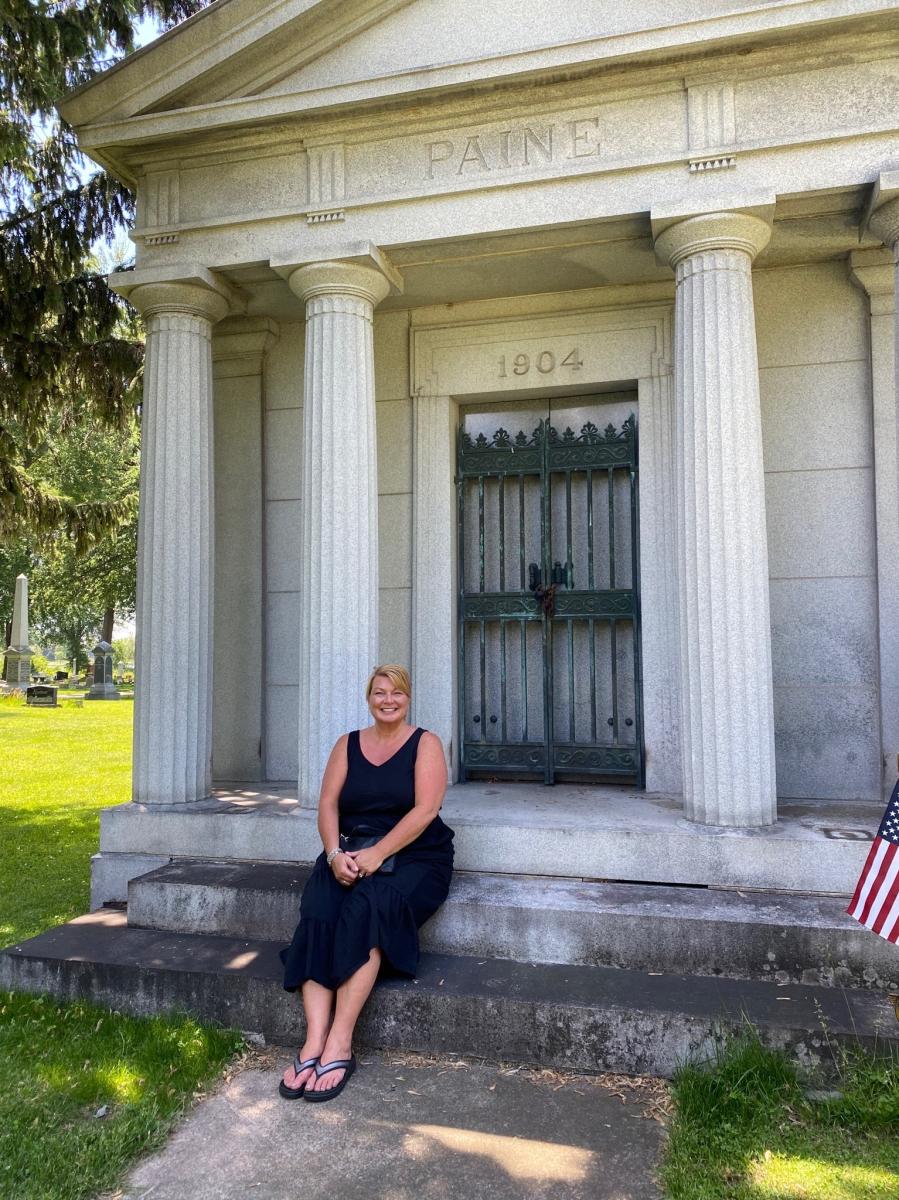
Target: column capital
point(358, 269)
point(181, 288)
point(339, 279)
point(743, 231)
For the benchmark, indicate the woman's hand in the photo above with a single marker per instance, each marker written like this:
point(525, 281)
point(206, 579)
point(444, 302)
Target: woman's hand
point(366, 861)
point(344, 869)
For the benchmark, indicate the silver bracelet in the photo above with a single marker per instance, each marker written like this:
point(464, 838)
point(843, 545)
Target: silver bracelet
point(333, 854)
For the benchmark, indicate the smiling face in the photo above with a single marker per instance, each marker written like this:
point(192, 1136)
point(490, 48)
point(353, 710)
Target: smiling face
point(387, 702)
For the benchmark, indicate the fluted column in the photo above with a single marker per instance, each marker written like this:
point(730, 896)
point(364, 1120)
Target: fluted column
point(173, 678)
point(339, 554)
point(726, 693)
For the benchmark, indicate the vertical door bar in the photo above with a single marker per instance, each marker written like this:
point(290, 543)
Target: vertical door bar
point(501, 484)
point(546, 543)
point(611, 528)
point(522, 555)
point(481, 533)
point(567, 522)
point(502, 679)
point(524, 679)
point(613, 640)
point(590, 582)
point(592, 632)
point(482, 626)
point(571, 727)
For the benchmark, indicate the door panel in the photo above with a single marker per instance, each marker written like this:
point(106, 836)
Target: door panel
point(549, 642)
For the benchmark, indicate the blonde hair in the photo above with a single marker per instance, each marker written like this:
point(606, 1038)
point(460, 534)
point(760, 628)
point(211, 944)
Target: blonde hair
point(397, 675)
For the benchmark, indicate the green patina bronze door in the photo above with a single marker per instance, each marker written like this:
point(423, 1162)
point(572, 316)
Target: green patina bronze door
point(549, 645)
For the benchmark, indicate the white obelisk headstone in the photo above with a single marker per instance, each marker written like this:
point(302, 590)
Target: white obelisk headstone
point(18, 653)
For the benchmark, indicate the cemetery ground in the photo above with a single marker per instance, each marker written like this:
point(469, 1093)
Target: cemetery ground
point(85, 1092)
point(63, 1064)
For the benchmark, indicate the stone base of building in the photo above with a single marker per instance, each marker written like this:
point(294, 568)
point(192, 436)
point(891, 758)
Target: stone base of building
point(628, 977)
point(573, 832)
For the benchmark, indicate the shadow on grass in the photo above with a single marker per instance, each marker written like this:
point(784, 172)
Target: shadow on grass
point(83, 1091)
point(45, 855)
point(746, 1129)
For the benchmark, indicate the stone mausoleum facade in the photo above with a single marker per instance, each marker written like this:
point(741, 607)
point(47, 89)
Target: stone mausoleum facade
point(547, 348)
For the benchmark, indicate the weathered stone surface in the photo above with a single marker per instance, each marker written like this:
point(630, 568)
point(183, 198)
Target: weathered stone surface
point(398, 1134)
point(581, 1018)
point(702, 931)
point(572, 832)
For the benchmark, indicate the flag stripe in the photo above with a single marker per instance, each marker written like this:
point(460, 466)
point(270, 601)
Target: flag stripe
point(885, 862)
point(866, 879)
point(890, 929)
point(887, 898)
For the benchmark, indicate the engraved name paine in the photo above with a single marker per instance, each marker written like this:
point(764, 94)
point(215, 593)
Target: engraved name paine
point(531, 145)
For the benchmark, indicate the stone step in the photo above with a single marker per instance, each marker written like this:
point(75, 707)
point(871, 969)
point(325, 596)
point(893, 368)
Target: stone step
point(578, 1017)
point(743, 935)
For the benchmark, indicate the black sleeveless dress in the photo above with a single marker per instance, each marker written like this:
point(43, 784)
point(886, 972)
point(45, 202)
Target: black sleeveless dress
point(340, 925)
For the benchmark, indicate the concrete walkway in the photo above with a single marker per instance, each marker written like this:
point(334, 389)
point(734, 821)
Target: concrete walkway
point(413, 1128)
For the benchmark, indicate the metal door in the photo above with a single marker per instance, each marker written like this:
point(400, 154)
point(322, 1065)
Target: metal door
point(549, 646)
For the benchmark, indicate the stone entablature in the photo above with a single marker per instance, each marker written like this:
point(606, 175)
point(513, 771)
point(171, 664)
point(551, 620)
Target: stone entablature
point(665, 122)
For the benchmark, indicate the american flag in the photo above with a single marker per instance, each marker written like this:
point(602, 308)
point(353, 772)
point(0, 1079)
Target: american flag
point(876, 901)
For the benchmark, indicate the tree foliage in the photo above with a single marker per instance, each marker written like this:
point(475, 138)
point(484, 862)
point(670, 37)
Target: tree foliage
point(72, 590)
point(69, 348)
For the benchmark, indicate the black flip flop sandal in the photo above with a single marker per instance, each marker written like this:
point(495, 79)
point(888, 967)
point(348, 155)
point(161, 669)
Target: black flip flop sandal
point(348, 1065)
point(295, 1093)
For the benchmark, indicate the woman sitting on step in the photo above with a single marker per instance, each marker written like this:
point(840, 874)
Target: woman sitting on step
point(385, 868)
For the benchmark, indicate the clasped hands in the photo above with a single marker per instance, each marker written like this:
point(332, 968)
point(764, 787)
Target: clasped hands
point(353, 865)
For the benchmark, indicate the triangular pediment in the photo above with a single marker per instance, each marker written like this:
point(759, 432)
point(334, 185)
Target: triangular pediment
point(284, 56)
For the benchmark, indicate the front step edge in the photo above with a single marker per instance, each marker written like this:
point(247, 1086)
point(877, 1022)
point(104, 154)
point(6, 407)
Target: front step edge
point(576, 1017)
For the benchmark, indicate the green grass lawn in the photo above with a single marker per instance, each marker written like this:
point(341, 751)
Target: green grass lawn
point(83, 1092)
point(60, 766)
point(62, 1064)
point(746, 1130)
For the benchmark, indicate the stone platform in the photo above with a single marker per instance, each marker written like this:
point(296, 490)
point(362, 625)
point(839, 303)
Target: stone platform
point(574, 831)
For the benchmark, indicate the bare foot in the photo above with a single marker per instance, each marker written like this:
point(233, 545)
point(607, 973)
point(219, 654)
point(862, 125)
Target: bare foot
point(333, 1050)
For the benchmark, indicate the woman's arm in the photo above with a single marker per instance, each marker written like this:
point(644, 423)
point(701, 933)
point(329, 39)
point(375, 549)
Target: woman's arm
point(430, 787)
point(343, 867)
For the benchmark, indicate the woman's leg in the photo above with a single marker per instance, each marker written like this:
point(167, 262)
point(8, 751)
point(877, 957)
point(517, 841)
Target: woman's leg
point(351, 996)
point(318, 1003)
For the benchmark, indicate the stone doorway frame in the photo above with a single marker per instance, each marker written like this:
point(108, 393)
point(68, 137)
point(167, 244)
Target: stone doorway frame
point(454, 363)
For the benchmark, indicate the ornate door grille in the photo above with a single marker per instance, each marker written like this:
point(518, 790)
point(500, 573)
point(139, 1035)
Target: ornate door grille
point(549, 646)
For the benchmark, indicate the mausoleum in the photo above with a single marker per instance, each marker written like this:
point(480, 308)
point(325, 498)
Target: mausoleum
point(549, 349)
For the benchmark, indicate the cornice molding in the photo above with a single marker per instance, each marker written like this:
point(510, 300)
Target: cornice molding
point(764, 25)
